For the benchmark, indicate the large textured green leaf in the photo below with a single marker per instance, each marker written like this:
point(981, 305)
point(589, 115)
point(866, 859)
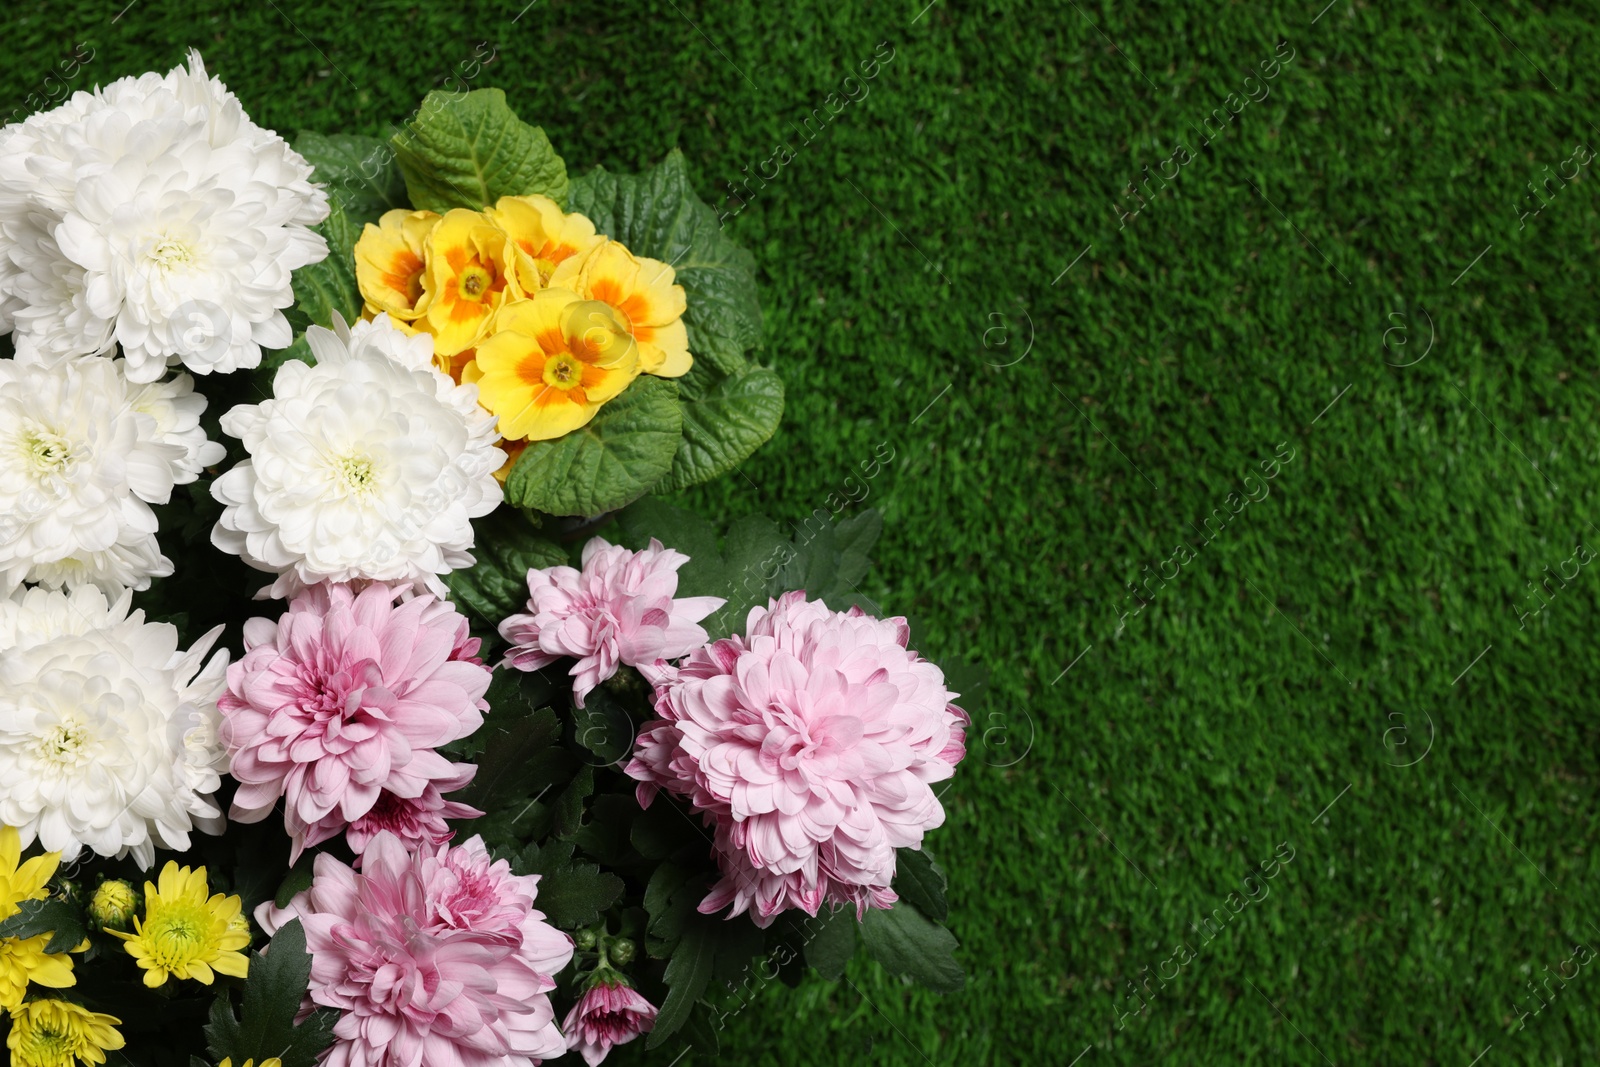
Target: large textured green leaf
point(920, 883)
point(657, 214)
point(724, 421)
point(688, 973)
point(611, 462)
point(470, 149)
point(506, 549)
point(906, 942)
point(330, 285)
point(358, 172)
point(830, 941)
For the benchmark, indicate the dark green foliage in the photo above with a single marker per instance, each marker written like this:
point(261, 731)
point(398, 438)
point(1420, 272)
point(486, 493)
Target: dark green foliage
point(273, 992)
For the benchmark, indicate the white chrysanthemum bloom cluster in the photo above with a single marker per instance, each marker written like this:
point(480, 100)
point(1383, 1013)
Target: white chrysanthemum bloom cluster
point(108, 731)
point(83, 455)
point(154, 215)
point(369, 464)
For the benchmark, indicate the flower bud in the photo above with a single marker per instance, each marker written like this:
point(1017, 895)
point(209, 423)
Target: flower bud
point(585, 939)
point(620, 951)
point(114, 905)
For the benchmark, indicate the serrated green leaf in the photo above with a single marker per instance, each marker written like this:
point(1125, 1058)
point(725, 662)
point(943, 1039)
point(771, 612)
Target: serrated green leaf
point(688, 973)
point(358, 172)
point(514, 733)
point(920, 883)
point(506, 549)
point(832, 943)
point(470, 149)
point(613, 461)
point(273, 992)
point(575, 896)
point(61, 920)
point(568, 806)
point(907, 942)
point(657, 214)
point(604, 727)
point(753, 553)
point(726, 420)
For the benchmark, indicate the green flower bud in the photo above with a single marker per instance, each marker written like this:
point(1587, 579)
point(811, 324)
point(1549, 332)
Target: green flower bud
point(585, 939)
point(621, 951)
point(114, 905)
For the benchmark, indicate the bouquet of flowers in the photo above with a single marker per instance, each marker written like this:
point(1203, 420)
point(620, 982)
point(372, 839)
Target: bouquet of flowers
point(358, 704)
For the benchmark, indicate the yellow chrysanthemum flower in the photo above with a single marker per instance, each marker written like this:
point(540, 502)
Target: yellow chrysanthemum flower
point(552, 361)
point(468, 277)
point(273, 1062)
point(644, 295)
point(184, 934)
point(24, 961)
point(56, 1033)
point(390, 260)
point(22, 881)
point(542, 235)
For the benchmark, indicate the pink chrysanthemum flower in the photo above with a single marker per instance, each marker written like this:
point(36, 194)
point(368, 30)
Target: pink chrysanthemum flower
point(810, 744)
point(436, 958)
point(344, 699)
point(418, 821)
point(604, 1017)
point(618, 609)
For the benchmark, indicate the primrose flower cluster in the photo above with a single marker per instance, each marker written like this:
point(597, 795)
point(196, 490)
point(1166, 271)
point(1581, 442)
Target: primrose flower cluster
point(548, 318)
point(405, 814)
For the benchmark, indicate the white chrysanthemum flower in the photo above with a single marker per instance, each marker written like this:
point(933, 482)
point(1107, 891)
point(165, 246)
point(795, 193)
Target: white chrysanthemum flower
point(108, 732)
point(370, 464)
point(153, 214)
point(83, 455)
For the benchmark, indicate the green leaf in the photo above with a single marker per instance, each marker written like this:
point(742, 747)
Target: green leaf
point(604, 727)
point(62, 921)
point(359, 172)
point(754, 552)
point(724, 421)
point(470, 149)
point(906, 942)
point(575, 896)
point(273, 992)
point(920, 883)
point(605, 836)
point(506, 549)
point(568, 807)
point(613, 461)
point(514, 733)
point(688, 973)
point(329, 285)
point(657, 214)
point(833, 944)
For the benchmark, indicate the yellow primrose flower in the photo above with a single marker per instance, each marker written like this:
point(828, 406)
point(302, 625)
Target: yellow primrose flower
point(469, 275)
point(22, 881)
point(542, 235)
point(24, 960)
point(390, 257)
point(56, 1033)
point(184, 934)
point(552, 361)
point(643, 293)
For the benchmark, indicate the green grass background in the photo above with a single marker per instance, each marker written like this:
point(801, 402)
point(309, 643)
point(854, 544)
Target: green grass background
point(919, 242)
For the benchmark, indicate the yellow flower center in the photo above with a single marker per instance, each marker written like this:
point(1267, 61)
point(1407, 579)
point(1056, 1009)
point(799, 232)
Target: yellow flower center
point(176, 936)
point(563, 372)
point(170, 253)
point(474, 283)
point(43, 1043)
point(45, 451)
point(63, 744)
point(360, 474)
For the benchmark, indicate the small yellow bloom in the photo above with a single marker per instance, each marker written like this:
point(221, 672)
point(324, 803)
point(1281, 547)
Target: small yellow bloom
point(469, 275)
point(542, 235)
point(22, 881)
point(184, 934)
point(273, 1062)
point(552, 361)
point(56, 1033)
point(24, 961)
point(390, 261)
point(114, 905)
point(643, 294)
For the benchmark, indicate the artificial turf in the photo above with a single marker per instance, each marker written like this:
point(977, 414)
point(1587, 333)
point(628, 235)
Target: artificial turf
point(951, 266)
